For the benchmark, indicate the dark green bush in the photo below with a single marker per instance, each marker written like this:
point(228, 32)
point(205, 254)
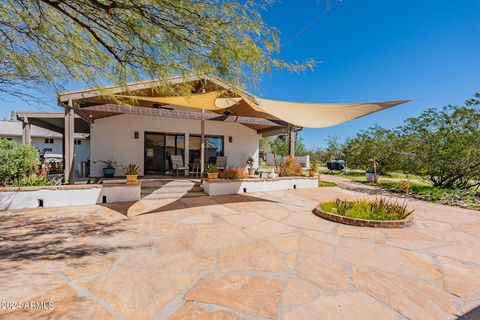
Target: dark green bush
point(17, 161)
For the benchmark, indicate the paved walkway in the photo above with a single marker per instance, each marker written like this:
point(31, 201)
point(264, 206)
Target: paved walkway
point(254, 256)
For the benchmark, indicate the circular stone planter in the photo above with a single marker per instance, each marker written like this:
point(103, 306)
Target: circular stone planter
point(390, 224)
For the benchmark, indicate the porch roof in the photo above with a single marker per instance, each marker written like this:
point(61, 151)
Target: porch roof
point(223, 102)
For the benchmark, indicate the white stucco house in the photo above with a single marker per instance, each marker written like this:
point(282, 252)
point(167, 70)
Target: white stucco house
point(199, 118)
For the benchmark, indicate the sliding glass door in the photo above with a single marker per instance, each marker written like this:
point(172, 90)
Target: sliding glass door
point(213, 148)
point(158, 149)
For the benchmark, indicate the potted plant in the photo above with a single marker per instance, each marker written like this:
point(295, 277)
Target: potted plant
point(313, 169)
point(371, 172)
point(251, 169)
point(212, 171)
point(109, 169)
point(131, 172)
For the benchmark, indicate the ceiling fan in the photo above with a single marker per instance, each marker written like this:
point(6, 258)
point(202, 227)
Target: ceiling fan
point(227, 113)
point(159, 106)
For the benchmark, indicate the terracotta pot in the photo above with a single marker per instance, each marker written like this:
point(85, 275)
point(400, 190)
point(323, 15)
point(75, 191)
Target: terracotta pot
point(251, 171)
point(211, 175)
point(132, 178)
point(312, 173)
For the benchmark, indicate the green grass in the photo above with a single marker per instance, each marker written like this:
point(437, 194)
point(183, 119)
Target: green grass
point(326, 184)
point(362, 209)
point(421, 190)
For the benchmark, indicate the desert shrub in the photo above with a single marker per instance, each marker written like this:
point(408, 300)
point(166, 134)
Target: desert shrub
point(17, 161)
point(34, 180)
point(379, 209)
point(290, 168)
point(235, 173)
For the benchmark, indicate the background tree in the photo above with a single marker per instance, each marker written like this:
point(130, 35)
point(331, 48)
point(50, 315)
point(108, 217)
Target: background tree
point(334, 149)
point(375, 143)
point(49, 42)
point(279, 146)
point(443, 145)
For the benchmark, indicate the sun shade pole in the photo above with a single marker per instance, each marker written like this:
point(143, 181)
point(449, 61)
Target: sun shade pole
point(68, 140)
point(291, 141)
point(202, 144)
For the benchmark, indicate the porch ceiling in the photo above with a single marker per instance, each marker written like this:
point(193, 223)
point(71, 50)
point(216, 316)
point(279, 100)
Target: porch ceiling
point(54, 121)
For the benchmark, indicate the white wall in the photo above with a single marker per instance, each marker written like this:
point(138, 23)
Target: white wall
point(113, 138)
point(40, 144)
point(303, 160)
point(82, 151)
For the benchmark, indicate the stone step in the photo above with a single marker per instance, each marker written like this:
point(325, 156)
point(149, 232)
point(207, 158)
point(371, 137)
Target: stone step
point(172, 190)
point(157, 196)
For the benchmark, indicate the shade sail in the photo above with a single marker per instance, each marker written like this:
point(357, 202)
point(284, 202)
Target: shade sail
point(207, 101)
point(319, 115)
point(307, 115)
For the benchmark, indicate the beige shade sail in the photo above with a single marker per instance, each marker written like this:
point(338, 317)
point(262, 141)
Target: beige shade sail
point(319, 115)
point(307, 115)
point(207, 101)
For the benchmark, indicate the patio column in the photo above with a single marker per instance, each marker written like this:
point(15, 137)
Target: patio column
point(291, 141)
point(68, 143)
point(186, 149)
point(26, 132)
point(202, 144)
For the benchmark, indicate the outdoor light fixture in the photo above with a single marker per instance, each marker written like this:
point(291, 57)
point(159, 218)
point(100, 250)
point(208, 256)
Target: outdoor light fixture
point(230, 139)
point(135, 134)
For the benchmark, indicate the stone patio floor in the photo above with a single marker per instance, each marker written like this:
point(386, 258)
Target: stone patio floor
point(251, 256)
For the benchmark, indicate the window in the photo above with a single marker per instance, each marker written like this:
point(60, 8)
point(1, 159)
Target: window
point(213, 148)
point(48, 140)
point(77, 142)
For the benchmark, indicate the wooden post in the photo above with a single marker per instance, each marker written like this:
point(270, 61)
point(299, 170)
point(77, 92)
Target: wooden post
point(68, 142)
point(26, 132)
point(202, 144)
point(291, 141)
point(186, 150)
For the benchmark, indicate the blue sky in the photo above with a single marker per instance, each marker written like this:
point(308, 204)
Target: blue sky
point(370, 50)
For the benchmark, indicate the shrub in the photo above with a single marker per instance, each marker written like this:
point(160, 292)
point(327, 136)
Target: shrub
point(290, 168)
point(34, 180)
point(234, 173)
point(17, 161)
point(314, 166)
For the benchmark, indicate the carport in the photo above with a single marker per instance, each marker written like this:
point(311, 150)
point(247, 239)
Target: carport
point(66, 123)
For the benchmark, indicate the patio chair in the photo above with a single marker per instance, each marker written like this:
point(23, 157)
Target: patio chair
point(177, 163)
point(221, 162)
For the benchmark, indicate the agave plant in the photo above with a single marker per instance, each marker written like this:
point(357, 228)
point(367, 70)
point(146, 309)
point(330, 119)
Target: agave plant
point(131, 170)
point(383, 206)
point(212, 168)
point(343, 206)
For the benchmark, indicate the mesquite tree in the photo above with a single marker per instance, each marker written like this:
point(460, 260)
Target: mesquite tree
point(443, 146)
point(103, 41)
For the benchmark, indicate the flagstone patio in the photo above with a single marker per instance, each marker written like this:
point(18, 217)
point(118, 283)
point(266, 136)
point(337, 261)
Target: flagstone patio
point(252, 256)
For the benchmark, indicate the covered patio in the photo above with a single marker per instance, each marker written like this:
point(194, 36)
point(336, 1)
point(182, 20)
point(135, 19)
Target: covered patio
point(200, 99)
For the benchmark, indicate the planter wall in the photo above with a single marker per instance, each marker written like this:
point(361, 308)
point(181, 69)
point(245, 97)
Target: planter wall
point(58, 196)
point(389, 224)
point(224, 187)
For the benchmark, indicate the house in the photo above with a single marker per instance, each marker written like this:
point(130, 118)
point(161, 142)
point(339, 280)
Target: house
point(46, 141)
point(199, 118)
